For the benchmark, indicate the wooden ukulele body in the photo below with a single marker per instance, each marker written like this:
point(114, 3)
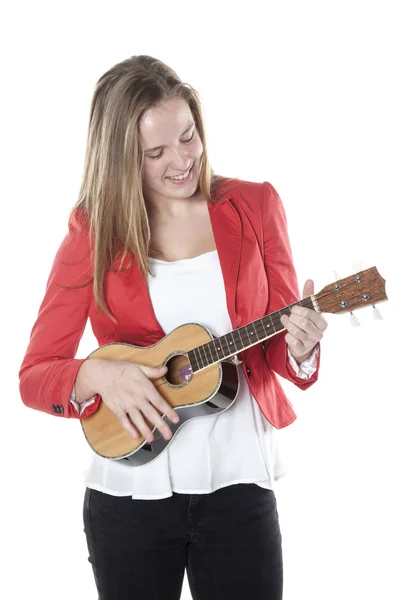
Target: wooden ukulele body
point(209, 391)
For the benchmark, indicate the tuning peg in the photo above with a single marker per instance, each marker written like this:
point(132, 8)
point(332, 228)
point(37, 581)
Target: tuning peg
point(354, 321)
point(357, 267)
point(376, 314)
point(337, 276)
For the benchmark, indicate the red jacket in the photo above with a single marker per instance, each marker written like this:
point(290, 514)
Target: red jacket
point(250, 231)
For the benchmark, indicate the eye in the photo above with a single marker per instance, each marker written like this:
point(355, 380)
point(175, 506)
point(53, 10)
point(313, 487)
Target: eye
point(162, 152)
point(189, 140)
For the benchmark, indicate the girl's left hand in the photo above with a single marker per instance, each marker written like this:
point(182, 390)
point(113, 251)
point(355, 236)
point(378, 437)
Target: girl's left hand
point(305, 327)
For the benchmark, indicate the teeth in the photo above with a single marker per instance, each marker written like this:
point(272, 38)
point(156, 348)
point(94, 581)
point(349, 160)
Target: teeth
point(181, 176)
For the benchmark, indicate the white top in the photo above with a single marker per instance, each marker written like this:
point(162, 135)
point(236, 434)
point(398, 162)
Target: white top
point(207, 453)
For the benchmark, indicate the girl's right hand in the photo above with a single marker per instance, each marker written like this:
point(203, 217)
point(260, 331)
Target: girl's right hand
point(125, 387)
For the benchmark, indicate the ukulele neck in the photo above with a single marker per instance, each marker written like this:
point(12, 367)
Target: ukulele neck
point(240, 339)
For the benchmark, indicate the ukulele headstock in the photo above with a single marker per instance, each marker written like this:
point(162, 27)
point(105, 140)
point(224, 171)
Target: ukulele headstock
point(365, 288)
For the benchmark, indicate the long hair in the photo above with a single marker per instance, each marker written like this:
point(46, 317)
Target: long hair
point(111, 191)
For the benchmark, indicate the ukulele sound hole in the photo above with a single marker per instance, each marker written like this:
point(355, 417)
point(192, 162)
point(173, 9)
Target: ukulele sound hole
point(179, 370)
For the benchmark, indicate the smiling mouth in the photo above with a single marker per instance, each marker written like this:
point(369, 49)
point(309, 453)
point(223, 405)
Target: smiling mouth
point(188, 172)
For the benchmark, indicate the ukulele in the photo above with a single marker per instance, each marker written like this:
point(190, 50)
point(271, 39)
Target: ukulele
point(202, 377)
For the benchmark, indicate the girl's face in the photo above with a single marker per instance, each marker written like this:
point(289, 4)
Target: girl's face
point(171, 146)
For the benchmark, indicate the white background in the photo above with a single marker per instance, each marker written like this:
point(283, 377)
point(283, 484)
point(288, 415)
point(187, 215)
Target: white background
point(302, 94)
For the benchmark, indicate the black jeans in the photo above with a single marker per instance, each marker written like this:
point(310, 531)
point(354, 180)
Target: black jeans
point(229, 541)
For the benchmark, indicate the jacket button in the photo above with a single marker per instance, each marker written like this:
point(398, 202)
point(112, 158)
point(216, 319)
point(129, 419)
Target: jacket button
point(248, 371)
point(53, 408)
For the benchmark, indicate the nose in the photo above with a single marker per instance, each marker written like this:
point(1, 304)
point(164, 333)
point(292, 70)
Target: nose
point(182, 161)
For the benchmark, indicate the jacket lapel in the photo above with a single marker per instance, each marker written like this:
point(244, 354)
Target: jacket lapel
point(227, 230)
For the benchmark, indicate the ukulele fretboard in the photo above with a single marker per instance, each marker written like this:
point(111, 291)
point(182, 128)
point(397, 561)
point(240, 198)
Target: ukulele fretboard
point(242, 338)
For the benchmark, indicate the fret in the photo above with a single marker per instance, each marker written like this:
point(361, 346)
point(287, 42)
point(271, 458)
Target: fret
point(207, 355)
point(259, 331)
point(246, 335)
point(263, 325)
point(253, 335)
point(240, 338)
point(279, 325)
point(266, 325)
point(272, 323)
point(217, 349)
point(193, 360)
point(233, 342)
point(225, 345)
point(200, 356)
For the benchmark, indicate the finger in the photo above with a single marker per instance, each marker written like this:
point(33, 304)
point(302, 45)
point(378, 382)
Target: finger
point(308, 289)
point(293, 329)
point(296, 344)
point(319, 320)
point(304, 325)
point(154, 417)
point(302, 311)
point(138, 420)
point(162, 405)
point(153, 372)
point(126, 423)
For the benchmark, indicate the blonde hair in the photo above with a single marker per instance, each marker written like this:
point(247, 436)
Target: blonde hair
point(111, 191)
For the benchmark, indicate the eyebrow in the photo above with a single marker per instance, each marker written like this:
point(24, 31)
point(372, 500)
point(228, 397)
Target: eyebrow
point(159, 147)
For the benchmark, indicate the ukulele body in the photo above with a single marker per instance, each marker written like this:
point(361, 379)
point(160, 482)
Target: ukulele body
point(208, 391)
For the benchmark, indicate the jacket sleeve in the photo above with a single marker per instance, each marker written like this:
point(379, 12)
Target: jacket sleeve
point(282, 284)
point(49, 367)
